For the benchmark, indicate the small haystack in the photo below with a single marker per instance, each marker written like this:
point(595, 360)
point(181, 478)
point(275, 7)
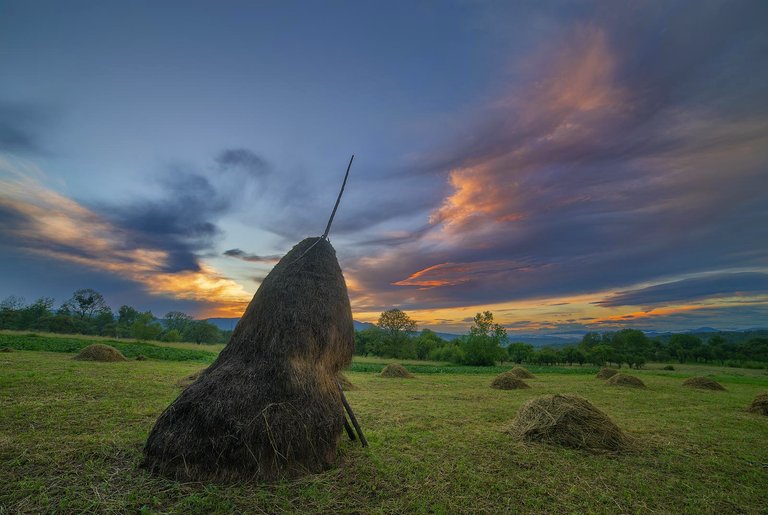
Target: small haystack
point(759, 404)
point(396, 370)
point(191, 378)
point(270, 406)
point(625, 380)
point(508, 381)
point(100, 352)
point(345, 383)
point(522, 373)
point(6, 349)
point(703, 383)
point(607, 373)
point(570, 421)
point(667, 367)
point(141, 357)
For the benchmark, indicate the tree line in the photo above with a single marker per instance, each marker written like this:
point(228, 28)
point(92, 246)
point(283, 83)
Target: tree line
point(86, 312)
point(487, 343)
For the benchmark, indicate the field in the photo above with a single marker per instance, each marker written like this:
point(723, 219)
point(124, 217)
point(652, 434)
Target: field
point(71, 435)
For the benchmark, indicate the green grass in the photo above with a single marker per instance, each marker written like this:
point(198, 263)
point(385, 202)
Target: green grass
point(71, 435)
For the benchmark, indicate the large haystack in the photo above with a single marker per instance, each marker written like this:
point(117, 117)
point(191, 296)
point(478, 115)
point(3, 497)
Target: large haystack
point(396, 370)
point(759, 404)
point(522, 373)
point(703, 383)
point(625, 380)
point(100, 352)
point(508, 381)
point(269, 407)
point(607, 373)
point(570, 421)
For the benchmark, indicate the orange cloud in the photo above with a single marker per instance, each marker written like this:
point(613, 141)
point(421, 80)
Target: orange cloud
point(55, 226)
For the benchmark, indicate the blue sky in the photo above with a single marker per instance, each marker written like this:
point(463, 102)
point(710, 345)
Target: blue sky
point(569, 165)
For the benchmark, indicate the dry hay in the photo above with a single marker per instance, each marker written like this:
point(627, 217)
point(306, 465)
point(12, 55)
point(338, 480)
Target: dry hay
point(269, 407)
point(141, 357)
point(396, 370)
point(667, 367)
point(607, 373)
point(703, 383)
point(508, 381)
point(100, 352)
point(759, 404)
point(345, 383)
point(625, 380)
point(522, 373)
point(569, 421)
point(6, 349)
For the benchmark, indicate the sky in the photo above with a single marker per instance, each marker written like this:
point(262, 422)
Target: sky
point(567, 165)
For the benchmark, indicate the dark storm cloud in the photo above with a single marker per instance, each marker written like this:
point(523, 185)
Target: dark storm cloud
point(244, 160)
point(252, 258)
point(698, 288)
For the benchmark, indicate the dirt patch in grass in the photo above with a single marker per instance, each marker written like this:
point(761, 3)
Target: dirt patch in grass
point(703, 383)
point(100, 352)
point(508, 381)
point(396, 370)
point(625, 380)
point(607, 373)
point(568, 421)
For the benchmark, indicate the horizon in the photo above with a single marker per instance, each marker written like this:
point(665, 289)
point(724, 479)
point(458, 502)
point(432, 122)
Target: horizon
point(567, 167)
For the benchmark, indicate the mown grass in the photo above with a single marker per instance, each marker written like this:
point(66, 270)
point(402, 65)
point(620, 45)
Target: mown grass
point(71, 435)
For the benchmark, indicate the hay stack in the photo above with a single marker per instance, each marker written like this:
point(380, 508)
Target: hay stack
point(269, 407)
point(141, 357)
point(703, 383)
point(522, 373)
point(607, 373)
point(570, 421)
point(508, 381)
point(396, 370)
point(759, 404)
point(625, 380)
point(667, 367)
point(100, 352)
point(6, 349)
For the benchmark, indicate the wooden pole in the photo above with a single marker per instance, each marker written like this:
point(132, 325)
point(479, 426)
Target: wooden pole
point(338, 199)
point(352, 417)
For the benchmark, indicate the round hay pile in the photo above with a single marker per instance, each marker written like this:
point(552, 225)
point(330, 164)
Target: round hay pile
point(191, 378)
point(570, 421)
point(625, 380)
point(396, 370)
point(759, 404)
point(345, 383)
point(703, 383)
point(269, 407)
point(508, 381)
point(100, 352)
point(667, 367)
point(6, 349)
point(606, 373)
point(141, 357)
point(522, 373)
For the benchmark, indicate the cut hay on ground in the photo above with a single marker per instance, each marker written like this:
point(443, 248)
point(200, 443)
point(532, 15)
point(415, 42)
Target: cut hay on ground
point(667, 367)
point(100, 352)
point(396, 370)
point(703, 383)
point(345, 383)
point(625, 380)
point(508, 381)
point(269, 407)
point(141, 357)
point(607, 373)
point(6, 349)
point(191, 378)
point(570, 421)
point(522, 373)
point(759, 404)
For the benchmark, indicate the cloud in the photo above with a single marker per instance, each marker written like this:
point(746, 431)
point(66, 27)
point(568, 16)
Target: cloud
point(736, 284)
point(47, 224)
point(20, 125)
point(242, 159)
point(252, 258)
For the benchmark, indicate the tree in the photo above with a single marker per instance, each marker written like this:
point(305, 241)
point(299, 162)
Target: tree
point(520, 352)
point(200, 331)
point(176, 320)
point(426, 342)
point(85, 303)
point(398, 328)
point(145, 327)
point(684, 346)
point(126, 316)
point(483, 345)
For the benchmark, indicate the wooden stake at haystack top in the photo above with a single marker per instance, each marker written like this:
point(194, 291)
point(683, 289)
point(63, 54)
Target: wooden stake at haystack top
point(270, 406)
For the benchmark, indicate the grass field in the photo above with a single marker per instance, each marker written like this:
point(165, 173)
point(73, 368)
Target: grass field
point(71, 435)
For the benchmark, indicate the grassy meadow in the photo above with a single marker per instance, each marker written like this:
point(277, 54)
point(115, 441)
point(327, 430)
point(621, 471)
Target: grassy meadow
point(71, 435)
